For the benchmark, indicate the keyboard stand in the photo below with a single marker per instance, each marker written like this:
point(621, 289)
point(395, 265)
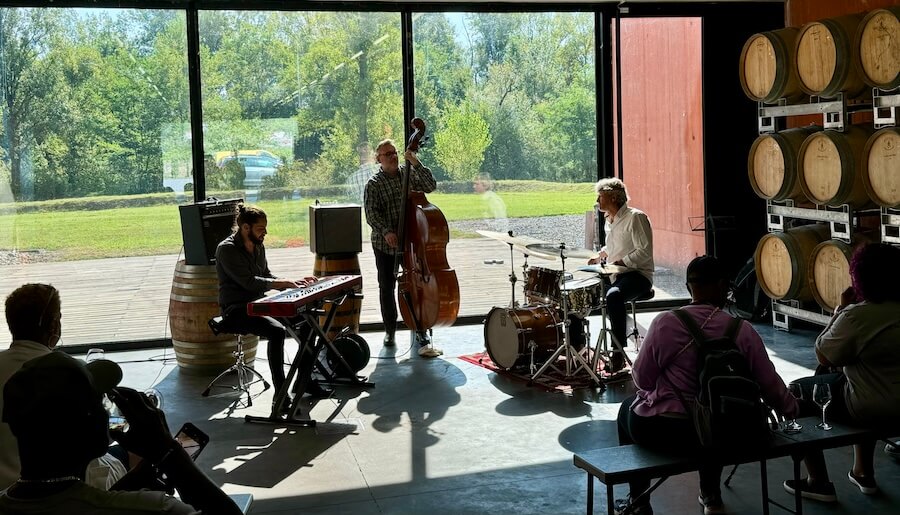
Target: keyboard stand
point(310, 314)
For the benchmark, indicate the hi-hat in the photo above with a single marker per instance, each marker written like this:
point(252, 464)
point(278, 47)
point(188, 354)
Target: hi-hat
point(556, 249)
point(508, 238)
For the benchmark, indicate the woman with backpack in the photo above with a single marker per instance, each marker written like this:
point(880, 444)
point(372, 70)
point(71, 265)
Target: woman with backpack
point(668, 375)
point(861, 341)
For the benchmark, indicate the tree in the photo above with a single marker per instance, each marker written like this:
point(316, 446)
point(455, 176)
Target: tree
point(461, 143)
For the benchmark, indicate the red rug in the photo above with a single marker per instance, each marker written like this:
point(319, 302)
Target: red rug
point(551, 380)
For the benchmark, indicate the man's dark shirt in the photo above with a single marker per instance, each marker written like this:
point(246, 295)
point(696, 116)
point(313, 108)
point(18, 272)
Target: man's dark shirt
point(243, 277)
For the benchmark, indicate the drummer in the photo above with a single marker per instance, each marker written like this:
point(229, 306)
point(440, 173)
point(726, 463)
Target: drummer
point(629, 243)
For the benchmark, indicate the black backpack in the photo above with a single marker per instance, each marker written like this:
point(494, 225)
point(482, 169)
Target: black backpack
point(728, 413)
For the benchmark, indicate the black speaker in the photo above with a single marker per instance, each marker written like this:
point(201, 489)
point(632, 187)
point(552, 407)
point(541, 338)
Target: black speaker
point(203, 226)
point(335, 229)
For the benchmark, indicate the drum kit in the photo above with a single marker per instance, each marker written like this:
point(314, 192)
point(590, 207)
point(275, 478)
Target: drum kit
point(552, 323)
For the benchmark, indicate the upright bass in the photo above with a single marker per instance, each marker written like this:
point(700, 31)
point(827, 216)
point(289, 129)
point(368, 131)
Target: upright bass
point(428, 290)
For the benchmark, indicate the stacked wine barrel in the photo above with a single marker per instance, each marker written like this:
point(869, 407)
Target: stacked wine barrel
point(858, 167)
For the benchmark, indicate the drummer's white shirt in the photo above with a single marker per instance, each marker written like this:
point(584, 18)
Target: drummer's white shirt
point(629, 238)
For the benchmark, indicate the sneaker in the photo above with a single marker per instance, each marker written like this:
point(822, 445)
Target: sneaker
point(892, 449)
point(820, 491)
point(866, 485)
point(712, 504)
point(624, 507)
point(389, 340)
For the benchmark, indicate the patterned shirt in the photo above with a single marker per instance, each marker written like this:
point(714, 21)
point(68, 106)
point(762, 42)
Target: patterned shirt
point(383, 198)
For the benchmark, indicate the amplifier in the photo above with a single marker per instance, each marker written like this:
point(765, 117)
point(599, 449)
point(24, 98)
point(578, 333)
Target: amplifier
point(335, 228)
point(203, 226)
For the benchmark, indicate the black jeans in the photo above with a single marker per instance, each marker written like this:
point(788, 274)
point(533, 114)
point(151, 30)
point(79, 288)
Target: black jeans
point(274, 332)
point(666, 434)
point(628, 286)
point(387, 287)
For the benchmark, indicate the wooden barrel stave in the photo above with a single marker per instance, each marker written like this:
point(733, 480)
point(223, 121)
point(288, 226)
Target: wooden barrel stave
point(879, 48)
point(349, 312)
point(782, 260)
point(826, 55)
point(881, 159)
point(831, 167)
point(767, 69)
point(772, 165)
point(193, 301)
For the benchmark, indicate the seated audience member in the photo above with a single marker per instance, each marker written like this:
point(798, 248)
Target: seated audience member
point(54, 456)
point(861, 338)
point(655, 417)
point(34, 319)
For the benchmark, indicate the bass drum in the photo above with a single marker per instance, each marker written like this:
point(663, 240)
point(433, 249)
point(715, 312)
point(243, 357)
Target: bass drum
point(509, 333)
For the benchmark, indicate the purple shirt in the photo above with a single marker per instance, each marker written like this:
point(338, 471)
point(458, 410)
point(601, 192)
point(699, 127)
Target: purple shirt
point(668, 350)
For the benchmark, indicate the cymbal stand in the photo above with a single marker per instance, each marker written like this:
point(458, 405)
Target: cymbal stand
point(512, 276)
point(602, 348)
point(572, 354)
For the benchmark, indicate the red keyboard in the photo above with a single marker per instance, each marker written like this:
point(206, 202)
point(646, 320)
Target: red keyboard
point(291, 302)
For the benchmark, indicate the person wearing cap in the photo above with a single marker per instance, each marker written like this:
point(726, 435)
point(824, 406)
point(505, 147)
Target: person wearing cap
point(655, 416)
point(33, 314)
point(244, 276)
point(54, 457)
point(629, 243)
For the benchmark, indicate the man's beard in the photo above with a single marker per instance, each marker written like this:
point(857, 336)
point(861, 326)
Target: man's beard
point(254, 240)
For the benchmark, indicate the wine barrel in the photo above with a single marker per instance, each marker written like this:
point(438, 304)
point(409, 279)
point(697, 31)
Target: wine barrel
point(348, 313)
point(829, 270)
point(782, 259)
point(768, 72)
point(193, 301)
point(772, 163)
point(831, 167)
point(826, 55)
point(881, 159)
point(879, 48)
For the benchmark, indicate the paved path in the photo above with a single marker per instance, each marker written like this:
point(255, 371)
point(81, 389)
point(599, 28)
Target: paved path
point(126, 299)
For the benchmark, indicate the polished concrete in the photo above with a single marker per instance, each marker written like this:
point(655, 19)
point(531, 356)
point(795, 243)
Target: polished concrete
point(445, 436)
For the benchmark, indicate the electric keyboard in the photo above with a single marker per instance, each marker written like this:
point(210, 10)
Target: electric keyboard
point(291, 302)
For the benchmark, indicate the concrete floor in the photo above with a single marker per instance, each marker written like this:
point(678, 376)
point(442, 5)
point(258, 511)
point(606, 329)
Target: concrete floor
point(445, 436)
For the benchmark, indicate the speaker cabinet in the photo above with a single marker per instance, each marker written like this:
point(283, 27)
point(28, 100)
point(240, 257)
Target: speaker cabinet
point(335, 228)
point(203, 226)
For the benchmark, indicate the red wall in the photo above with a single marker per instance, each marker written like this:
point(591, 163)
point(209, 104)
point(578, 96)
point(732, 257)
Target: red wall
point(662, 131)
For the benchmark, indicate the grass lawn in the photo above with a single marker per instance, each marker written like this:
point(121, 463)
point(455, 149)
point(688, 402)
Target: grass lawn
point(154, 230)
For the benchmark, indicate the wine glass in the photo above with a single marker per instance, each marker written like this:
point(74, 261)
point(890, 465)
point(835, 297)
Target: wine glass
point(793, 427)
point(822, 397)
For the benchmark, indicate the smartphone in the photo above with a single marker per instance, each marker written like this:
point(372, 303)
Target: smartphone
point(192, 439)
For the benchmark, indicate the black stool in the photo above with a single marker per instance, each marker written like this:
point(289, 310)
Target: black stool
point(635, 332)
point(246, 375)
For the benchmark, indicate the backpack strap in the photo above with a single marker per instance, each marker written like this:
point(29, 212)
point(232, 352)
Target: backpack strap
point(691, 325)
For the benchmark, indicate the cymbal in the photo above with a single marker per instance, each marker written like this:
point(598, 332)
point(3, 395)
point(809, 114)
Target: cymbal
point(555, 249)
point(603, 269)
point(523, 250)
point(506, 238)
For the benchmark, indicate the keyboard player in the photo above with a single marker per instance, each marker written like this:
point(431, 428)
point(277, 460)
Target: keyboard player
point(244, 276)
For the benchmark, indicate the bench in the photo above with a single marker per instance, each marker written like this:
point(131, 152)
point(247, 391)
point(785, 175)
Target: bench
point(618, 465)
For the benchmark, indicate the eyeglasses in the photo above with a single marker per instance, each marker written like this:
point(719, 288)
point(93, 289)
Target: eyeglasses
point(389, 154)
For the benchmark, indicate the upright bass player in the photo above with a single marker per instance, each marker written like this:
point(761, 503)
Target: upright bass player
point(383, 203)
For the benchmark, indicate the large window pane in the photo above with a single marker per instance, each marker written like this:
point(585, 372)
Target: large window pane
point(510, 99)
point(86, 98)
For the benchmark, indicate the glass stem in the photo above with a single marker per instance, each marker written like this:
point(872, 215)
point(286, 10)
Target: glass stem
point(823, 416)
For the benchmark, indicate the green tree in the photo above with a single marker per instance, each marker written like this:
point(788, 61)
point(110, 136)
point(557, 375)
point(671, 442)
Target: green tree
point(461, 143)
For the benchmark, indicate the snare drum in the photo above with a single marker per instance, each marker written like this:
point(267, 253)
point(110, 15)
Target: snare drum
point(582, 295)
point(508, 334)
point(542, 285)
